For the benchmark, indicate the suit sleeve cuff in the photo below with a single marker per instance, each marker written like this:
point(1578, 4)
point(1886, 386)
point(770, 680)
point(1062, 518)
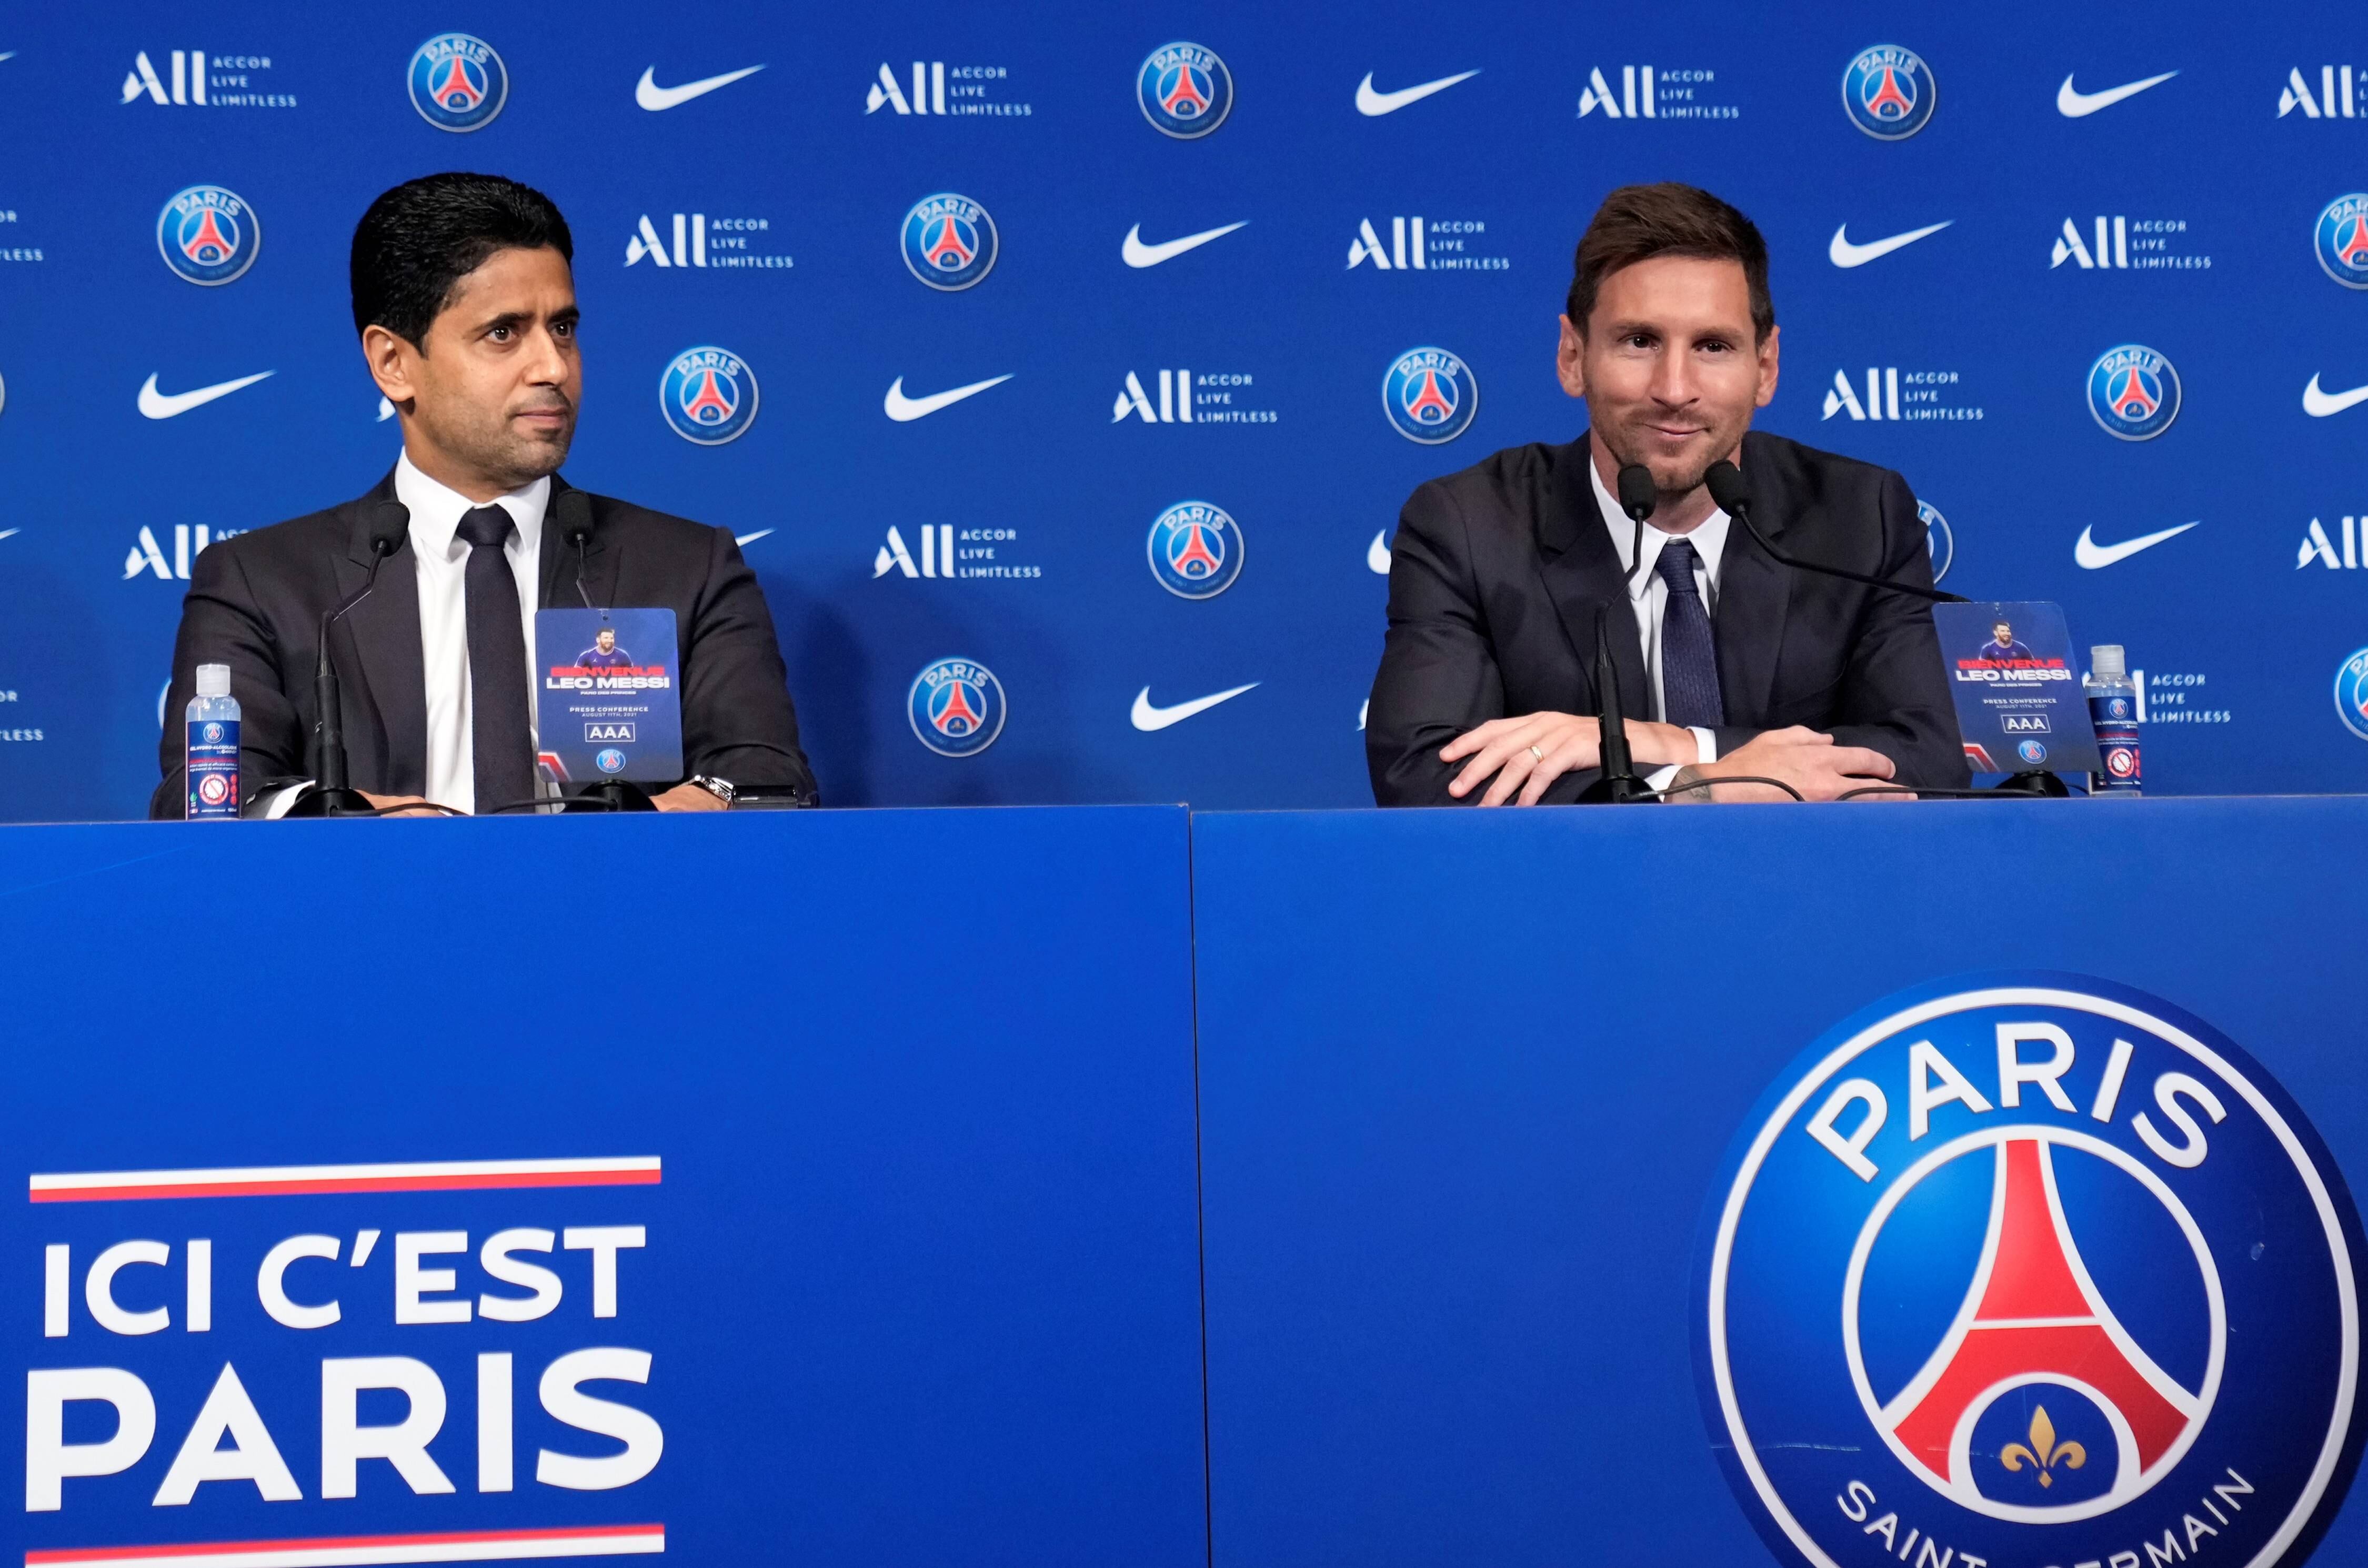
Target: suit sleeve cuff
point(272, 804)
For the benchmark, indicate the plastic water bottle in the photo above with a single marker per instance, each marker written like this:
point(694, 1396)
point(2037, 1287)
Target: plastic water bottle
point(2113, 708)
point(213, 747)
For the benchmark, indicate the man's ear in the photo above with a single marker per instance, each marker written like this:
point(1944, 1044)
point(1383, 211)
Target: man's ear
point(392, 365)
point(1768, 367)
point(1570, 360)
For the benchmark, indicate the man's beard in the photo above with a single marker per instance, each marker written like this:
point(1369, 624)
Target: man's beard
point(515, 459)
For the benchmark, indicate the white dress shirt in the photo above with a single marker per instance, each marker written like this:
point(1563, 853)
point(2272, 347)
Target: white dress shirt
point(1648, 595)
point(443, 570)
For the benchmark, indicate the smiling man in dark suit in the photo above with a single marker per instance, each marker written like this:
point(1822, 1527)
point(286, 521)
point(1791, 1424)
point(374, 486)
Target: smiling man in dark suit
point(1738, 666)
point(464, 300)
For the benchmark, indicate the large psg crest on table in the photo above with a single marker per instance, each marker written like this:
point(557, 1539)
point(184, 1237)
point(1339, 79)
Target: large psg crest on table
point(2031, 1268)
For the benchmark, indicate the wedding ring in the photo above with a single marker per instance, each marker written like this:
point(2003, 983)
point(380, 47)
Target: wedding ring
point(1537, 754)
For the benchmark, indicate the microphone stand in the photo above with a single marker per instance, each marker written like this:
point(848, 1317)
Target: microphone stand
point(1618, 784)
point(331, 797)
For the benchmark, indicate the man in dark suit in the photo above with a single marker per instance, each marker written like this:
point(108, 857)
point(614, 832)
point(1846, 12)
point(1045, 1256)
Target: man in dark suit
point(1728, 664)
point(465, 302)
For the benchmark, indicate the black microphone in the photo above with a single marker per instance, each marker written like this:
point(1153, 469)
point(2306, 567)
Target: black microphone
point(574, 509)
point(1618, 784)
point(1638, 497)
point(390, 523)
point(1731, 495)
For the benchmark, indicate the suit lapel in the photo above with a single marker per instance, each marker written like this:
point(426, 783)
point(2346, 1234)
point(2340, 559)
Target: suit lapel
point(383, 631)
point(1754, 597)
point(1582, 571)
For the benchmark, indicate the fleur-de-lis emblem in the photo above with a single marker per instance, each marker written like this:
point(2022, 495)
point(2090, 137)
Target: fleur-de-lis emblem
point(2044, 1453)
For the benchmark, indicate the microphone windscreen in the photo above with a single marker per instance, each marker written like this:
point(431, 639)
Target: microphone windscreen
point(1638, 494)
point(390, 522)
point(1728, 491)
point(574, 509)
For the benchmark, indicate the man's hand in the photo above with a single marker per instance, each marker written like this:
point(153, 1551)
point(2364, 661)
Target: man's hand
point(1806, 759)
point(688, 798)
point(387, 802)
point(1565, 742)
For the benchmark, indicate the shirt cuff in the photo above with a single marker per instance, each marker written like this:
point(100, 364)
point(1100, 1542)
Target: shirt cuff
point(1705, 743)
point(1658, 779)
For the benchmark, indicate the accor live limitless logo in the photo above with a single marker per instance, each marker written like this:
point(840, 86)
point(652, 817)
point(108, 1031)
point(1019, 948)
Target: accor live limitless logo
point(2120, 242)
point(2335, 99)
point(1892, 393)
point(1187, 397)
point(938, 89)
point(268, 1325)
point(701, 241)
point(195, 78)
point(1424, 244)
point(1647, 92)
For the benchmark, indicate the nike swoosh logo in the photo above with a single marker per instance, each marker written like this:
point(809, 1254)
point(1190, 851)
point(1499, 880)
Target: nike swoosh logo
point(8, 533)
point(2072, 105)
point(1138, 253)
point(165, 406)
point(1146, 718)
point(904, 410)
point(1369, 102)
point(2096, 557)
point(2319, 404)
point(1377, 554)
point(744, 540)
point(385, 410)
point(1841, 253)
point(653, 98)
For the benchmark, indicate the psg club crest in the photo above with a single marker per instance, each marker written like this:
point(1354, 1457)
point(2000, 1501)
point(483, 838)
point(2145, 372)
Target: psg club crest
point(1889, 93)
point(1185, 90)
point(956, 706)
point(708, 396)
point(2341, 237)
point(2133, 392)
point(1195, 549)
point(208, 235)
point(1429, 396)
point(2031, 1268)
point(949, 241)
point(1940, 543)
point(458, 83)
point(2352, 693)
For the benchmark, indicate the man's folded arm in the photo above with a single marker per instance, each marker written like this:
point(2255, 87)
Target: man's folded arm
point(222, 624)
point(738, 720)
point(1894, 691)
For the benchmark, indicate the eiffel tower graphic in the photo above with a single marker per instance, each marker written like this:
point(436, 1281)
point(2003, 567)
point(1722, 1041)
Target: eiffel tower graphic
point(2033, 1314)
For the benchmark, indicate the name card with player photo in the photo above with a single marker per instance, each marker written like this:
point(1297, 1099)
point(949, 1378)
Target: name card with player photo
point(2020, 704)
point(608, 706)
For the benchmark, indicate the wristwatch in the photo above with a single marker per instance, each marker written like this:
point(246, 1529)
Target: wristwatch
point(720, 788)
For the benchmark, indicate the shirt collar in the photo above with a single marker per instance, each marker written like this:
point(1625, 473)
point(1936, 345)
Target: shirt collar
point(436, 509)
point(1709, 537)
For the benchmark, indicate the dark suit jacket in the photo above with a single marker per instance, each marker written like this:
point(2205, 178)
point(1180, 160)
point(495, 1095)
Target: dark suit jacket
point(1496, 573)
point(255, 601)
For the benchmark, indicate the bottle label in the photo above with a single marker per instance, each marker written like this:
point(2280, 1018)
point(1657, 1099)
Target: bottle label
point(213, 770)
point(2115, 717)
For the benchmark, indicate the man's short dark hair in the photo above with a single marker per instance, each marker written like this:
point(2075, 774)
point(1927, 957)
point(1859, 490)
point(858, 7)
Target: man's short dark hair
point(1639, 221)
point(419, 239)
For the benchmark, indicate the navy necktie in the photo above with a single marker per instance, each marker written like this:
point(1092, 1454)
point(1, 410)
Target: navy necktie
point(502, 744)
point(1690, 693)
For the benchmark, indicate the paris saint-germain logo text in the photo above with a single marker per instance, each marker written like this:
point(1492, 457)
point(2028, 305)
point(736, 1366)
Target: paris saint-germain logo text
point(1889, 93)
point(709, 395)
point(1429, 395)
point(458, 83)
point(2031, 1268)
point(949, 240)
point(208, 235)
point(1195, 549)
point(1185, 90)
point(2341, 237)
point(2352, 693)
point(956, 706)
point(2133, 392)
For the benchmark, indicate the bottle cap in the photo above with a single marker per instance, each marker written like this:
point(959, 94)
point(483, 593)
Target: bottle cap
point(213, 680)
point(2106, 660)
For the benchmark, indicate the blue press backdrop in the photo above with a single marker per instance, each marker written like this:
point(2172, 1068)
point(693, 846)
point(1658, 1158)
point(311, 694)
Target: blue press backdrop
point(2240, 642)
